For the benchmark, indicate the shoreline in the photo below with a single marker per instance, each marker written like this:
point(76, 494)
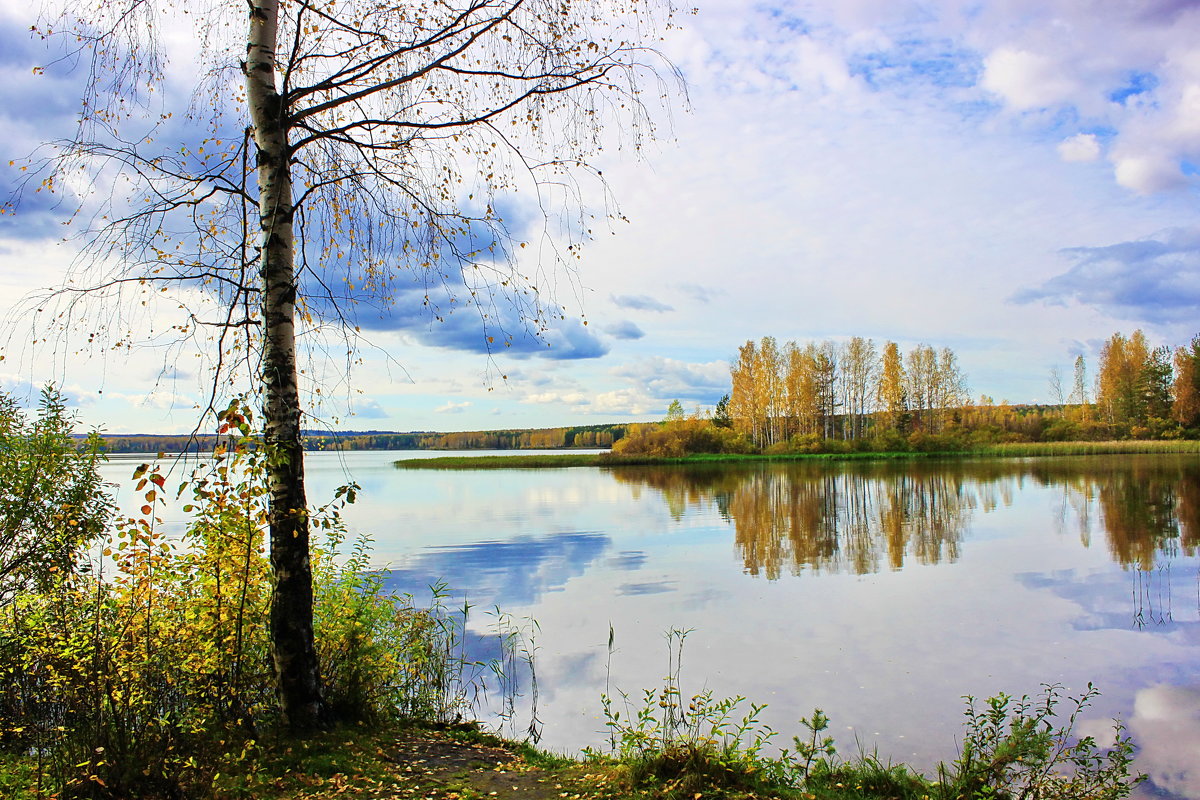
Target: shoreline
point(1014, 450)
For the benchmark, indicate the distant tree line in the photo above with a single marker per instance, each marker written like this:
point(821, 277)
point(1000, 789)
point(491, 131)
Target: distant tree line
point(515, 439)
point(529, 439)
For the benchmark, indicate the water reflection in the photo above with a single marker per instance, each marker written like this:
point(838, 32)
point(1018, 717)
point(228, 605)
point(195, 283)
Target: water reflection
point(789, 518)
point(1064, 570)
point(1150, 515)
point(1161, 600)
point(1166, 727)
point(861, 519)
point(502, 573)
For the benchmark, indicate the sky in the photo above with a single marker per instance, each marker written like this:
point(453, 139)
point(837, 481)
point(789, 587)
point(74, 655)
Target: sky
point(1014, 179)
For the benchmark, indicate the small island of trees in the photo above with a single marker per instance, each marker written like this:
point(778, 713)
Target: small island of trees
point(825, 397)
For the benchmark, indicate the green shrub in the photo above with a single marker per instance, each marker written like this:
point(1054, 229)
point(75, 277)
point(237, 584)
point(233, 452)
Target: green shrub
point(1015, 748)
point(889, 441)
point(685, 746)
point(678, 437)
point(52, 502)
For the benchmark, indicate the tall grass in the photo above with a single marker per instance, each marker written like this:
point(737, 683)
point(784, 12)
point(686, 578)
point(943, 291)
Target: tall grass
point(1125, 447)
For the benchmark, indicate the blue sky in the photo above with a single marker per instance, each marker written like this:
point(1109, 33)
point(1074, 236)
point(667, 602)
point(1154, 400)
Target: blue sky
point(1015, 180)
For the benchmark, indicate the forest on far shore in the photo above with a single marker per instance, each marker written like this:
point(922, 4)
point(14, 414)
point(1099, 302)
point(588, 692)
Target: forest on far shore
point(511, 439)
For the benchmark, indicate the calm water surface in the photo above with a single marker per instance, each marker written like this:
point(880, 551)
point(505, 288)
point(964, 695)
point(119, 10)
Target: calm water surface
point(879, 593)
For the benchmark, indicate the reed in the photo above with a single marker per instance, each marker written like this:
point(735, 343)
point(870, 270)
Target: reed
point(1124, 447)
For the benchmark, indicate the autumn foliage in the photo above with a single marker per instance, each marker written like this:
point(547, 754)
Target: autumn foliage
point(826, 397)
point(142, 667)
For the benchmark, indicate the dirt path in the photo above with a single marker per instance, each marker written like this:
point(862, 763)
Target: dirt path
point(438, 765)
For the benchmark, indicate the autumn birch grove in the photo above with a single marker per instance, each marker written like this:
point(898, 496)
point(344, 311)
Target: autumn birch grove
point(844, 391)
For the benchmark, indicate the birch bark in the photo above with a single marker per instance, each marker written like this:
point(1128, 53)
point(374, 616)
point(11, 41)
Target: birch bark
point(292, 637)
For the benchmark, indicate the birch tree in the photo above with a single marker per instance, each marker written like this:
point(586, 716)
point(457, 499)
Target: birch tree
point(350, 148)
point(860, 364)
point(1056, 386)
point(743, 398)
point(1079, 382)
point(951, 391)
point(920, 375)
point(800, 388)
point(1118, 381)
point(825, 363)
point(890, 393)
point(769, 390)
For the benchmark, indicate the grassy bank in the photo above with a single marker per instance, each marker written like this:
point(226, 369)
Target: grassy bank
point(504, 462)
point(711, 749)
point(1014, 450)
point(708, 752)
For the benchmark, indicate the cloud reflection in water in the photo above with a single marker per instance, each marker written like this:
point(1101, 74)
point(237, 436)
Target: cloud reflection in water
point(509, 574)
point(1166, 729)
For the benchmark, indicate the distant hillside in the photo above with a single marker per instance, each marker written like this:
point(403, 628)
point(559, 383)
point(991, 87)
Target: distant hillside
point(508, 439)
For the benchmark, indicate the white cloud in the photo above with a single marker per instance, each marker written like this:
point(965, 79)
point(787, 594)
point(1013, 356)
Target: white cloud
point(453, 407)
point(618, 402)
point(1080, 147)
point(628, 402)
point(822, 66)
point(1133, 69)
point(567, 398)
point(669, 378)
point(1148, 173)
point(1027, 80)
point(1186, 125)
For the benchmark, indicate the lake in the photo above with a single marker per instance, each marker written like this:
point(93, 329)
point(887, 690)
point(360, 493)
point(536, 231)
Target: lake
point(880, 593)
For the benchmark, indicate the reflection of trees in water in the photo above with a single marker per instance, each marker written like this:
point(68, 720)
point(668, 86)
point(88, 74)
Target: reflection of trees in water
point(926, 516)
point(846, 522)
point(1149, 508)
point(864, 518)
point(1139, 517)
point(789, 518)
point(1150, 513)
